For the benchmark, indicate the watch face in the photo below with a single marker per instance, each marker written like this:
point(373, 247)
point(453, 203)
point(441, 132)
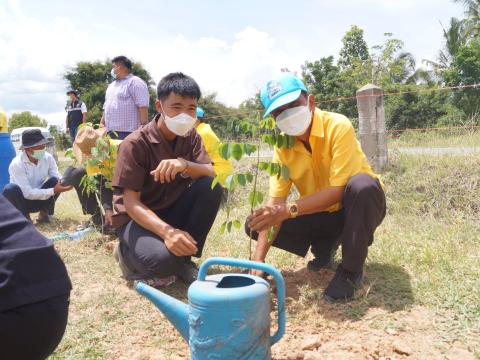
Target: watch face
point(294, 208)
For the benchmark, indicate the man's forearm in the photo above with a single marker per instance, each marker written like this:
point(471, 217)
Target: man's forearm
point(147, 219)
point(196, 171)
point(84, 118)
point(320, 201)
point(143, 111)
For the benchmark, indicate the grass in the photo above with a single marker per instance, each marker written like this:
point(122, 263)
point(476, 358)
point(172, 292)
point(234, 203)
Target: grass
point(426, 255)
point(436, 138)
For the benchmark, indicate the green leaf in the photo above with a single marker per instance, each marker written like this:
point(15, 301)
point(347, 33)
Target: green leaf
point(255, 198)
point(249, 176)
point(237, 151)
point(69, 153)
point(249, 148)
point(222, 228)
point(237, 224)
point(263, 165)
point(259, 197)
point(229, 182)
point(224, 150)
point(229, 226)
point(94, 152)
point(285, 172)
point(279, 141)
point(241, 179)
point(215, 181)
point(290, 141)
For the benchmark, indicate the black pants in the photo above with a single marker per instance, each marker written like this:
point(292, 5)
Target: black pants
point(73, 176)
point(14, 194)
point(353, 226)
point(33, 331)
point(194, 212)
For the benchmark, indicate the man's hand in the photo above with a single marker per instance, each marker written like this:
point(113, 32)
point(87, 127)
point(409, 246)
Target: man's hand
point(267, 216)
point(59, 188)
point(108, 217)
point(168, 169)
point(180, 243)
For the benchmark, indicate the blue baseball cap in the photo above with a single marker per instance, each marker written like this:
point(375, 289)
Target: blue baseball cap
point(200, 112)
point(280, 91)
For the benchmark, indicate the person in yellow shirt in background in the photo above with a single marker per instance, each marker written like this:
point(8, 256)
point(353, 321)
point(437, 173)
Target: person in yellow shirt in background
point(341, 198)
point(85, 140)
point(3, 121)
point(223, 168)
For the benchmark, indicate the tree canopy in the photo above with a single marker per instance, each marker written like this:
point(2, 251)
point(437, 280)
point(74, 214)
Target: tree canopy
point(25, 119)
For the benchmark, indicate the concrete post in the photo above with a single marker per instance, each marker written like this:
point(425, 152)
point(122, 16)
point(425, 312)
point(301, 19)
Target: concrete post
point(371, 124)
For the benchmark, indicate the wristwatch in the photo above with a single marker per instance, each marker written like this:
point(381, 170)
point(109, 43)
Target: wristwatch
point(293, 209)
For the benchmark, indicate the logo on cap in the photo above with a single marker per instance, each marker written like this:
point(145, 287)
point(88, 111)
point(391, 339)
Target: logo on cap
point(273, 88)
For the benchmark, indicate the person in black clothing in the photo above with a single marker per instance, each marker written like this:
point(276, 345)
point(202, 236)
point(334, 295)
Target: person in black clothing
point(76, 114)
point(34, 289)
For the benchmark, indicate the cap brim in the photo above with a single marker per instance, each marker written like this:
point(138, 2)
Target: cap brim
point(282, 100)
point(41, 142)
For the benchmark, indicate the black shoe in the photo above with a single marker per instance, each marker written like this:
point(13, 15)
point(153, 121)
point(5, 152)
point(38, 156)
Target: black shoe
point(188, 271)
point(343, 285)
point(317, 264)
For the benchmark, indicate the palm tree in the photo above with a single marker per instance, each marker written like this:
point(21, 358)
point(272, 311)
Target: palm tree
point(455, 38)
point(472, 20)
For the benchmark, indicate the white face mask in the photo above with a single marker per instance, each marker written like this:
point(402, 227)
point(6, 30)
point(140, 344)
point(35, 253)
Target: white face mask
point(181, 124)
point(294, 121)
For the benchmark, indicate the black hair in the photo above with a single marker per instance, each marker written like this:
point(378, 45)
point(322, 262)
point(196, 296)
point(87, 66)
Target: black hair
point(123, 60)
point(180, 84)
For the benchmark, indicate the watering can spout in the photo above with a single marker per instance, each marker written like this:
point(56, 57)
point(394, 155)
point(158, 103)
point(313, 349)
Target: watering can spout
point(175, 310)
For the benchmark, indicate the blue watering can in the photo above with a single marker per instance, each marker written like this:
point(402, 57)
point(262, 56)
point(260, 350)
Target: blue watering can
point(228, 315)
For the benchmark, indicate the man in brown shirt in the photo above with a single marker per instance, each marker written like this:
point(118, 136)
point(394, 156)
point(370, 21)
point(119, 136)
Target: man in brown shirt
point(163, 199)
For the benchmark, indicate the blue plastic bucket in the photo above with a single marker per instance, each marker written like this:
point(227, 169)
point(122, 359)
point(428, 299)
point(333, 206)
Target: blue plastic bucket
point(7, 153)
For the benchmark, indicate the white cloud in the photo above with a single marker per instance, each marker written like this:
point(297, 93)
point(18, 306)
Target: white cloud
point(39, 52)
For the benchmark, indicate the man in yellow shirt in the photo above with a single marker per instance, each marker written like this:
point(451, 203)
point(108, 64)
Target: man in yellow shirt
point(223, 168)
point(341, 198)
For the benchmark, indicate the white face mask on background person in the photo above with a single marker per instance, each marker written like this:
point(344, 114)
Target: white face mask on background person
point(114, 74)
point(294, 121)
point(180, 124)
point(38, 154)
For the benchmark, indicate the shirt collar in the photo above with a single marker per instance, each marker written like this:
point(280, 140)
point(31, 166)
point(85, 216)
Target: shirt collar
point(24, 157)
point(126, 77)
point(317, 126)
point(153, 133)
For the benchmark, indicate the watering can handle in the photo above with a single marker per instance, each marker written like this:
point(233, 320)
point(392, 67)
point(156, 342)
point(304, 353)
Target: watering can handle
point(248, 264)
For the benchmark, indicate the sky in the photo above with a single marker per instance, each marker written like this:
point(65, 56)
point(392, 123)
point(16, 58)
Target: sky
point(230, 47)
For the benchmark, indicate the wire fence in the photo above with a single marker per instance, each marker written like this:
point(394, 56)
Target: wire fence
point(259, 112)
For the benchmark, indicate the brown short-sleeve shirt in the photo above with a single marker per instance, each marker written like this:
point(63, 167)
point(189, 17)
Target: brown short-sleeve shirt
point(140, 153)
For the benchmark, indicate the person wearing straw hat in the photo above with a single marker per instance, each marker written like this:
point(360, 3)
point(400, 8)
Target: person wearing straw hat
point(34, 178)
point(223, 168)
point(341, 198)
point(86, 139)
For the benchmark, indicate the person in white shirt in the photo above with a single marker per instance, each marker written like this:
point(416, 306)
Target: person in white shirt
point(34, 178)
